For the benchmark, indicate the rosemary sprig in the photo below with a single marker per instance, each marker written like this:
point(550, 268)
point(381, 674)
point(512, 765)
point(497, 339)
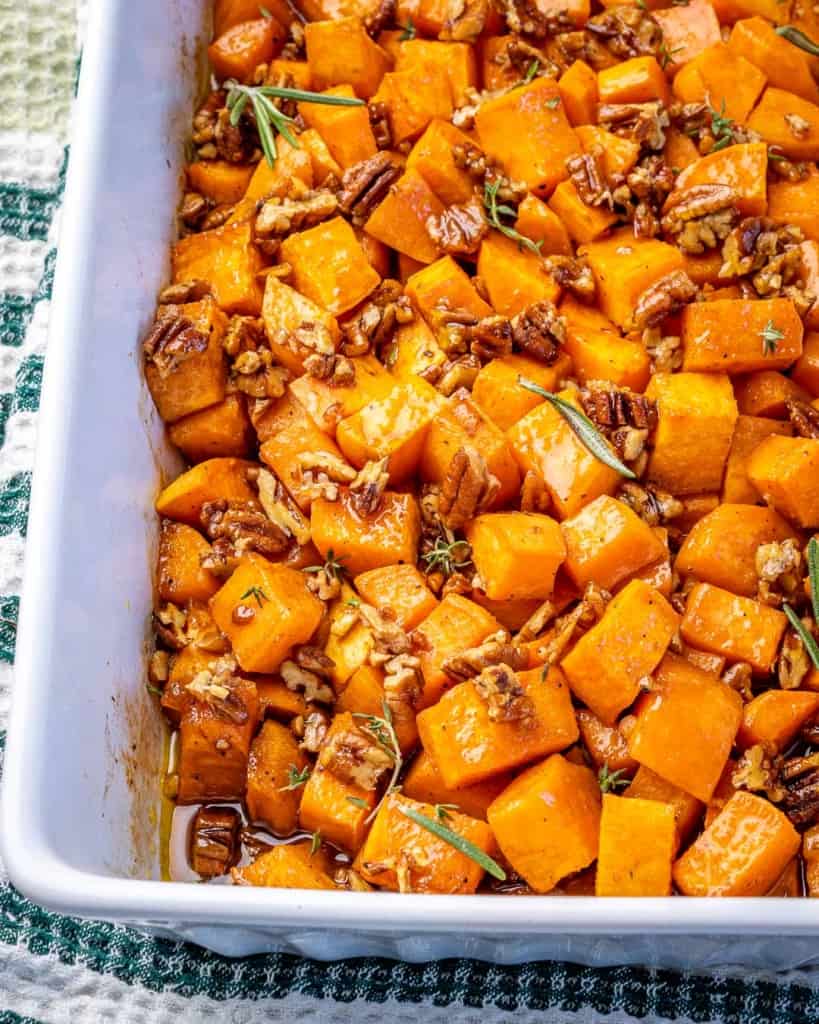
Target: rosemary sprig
point(610, 781)
point(798, 38)
point(257, 593)
point(315, 843)
point(333, 567)
point(443, 556)
point(813, 575)
point(803, 633)
point(584, 429)
point(295, 778)
point(771, 336)
point(494, 212)
point(722, 128)
point(271, 121)
point(459, 842)
point(383, 732)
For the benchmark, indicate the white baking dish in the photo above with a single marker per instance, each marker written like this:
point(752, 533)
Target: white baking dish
point(81, 787)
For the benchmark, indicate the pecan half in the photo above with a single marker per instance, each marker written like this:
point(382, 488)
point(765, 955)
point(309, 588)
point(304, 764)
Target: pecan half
point(506, 698)
point(243, 528)
point(183, 291)
point(701, 216)
point(645, 123)
point(459, 228)
point(214, 840)
point(279, 216)
point(653, 506)
point(467, 488)
point(337, 370)
point(587, 176)
point(309, 672)
point(373, 325)
point(495, 650)
point(662, 299)
point(627, 31)
point(539, 331)
point(574, 274)
point(609, 407)
point(468, 157)
point(365, 185)
point(368, 486)
point(804, 418)
point(172, 339)
point(771, 253)
point(491, 337)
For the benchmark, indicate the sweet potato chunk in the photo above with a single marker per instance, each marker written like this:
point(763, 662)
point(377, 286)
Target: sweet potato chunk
point(514, 277)
point(346, 131)
point(584, 223)
point(783, 64)
point(578, 93)
point(400, 219)
point(744, 167)
point(181, 577)
point(423, 782)
point(273, 752)
point(228, 260)
point(775, 717)
point(183, 498)
point(339, 52)
point(401, 588)
point(328, 405)
point(648, 785)
point(768, 119)
point(243, 47)
point(223, 429)
point(289, 866)
point(387, 536)
point(722, 78)
point(501, 396)
point(785, 472)
point(517, 554)
point(432, 157)
point(748, 433)
point(283, 452)
point(728, 336)
point(363, 694)
point(766, 393)
point(637, 839)
point(639, 80)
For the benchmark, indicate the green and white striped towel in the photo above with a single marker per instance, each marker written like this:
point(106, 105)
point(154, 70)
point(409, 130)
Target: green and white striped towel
point(55, 969)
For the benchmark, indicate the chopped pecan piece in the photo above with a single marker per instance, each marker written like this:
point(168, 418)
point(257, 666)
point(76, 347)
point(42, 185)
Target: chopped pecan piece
point(172, 339)
point(365, 185)
point(665, 350)
point(534, 497)
point(456, 374)
point(183, 291)
point(739, 677)
point(216, 686)
point(794, 662)
point(214, 840)
point(495, 650)
point(310, 729)
point(192, 626)
point(465, 22)
point(758, 772)
point(215, 137)
point(193, 210)
point(587, 176)
point(402, 681)
point(804, 418)
point(521, 56)
point(506, 698)
point(539, 331)
point(662, 299)
point(468, 157)
point(389, 638)
point(701, 216)
point(309, 672)
point(769, 252)
point(653, 506)
point(279, 216)
point(337, 370)
point(355, 756)
point(779, 570)
point(645, 123)
point(574, 274)
point(369, 485)
point(372, 327)
point(243, 528)
point(627, 31)
point(491, 337)
point(278, 508)
point(459, 228)
point(524, 18)
point(586, 612)
point(380, 18)
point(322, 472)
point(380, 123)
point(467, 488)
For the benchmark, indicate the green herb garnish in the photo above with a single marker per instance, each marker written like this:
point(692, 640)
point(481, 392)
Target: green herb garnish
point(813, 575)
point(495, 212)
point(722, 128)
point(803, 633)
point(265, 12)
point(531, 71)
point(553, 103)
point(333, 567)
point(153, 689)
point(443, 811)
point(356, 801)
point(269, 119)
point(459, 842)
point(584, 429)
point(315, 843)
point(443, 556)
point(295, 778)
point(798, 38)
point(610, 781)
point(257, 593)
point(383, 732)
point(407, 31)
point(771, 336)
point(667, 56)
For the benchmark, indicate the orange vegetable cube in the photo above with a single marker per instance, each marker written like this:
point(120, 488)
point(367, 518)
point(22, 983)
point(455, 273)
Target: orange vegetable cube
point(414, 351)
point(222, 429)
point(744, 167)
point(284, 612)
point(637, 841)
point(540, 223)
point(603, 355)
point(647, 785)
point(740, 628)
point(345, 130)
point(500, 395)
point(516, 554)
point(184, 497)
point(547, 821)
point(741, 853)
point(340, 52)
point(769, 120)
point(423, 782)
point(605, 744)
point(348, 647)
point(680, 150)
point(534, 117)
point(578, 93)
point(328, 405)
point(218, 180)
point(363, 694)
point(775, 717)
point(455, 625)
point(282, 453)
point(696, 413)
point(431, 157)
point(228, 260)
point(284, 311)
point(270, 181)
point(783, 64)
point(686, 726)
point(394, 839)
point(389, 535)
point(515, 278)
point(732, 10)
point(725, 80)
point(277, 700)
point(806, 369)
point(766, 392)
point(269, 802)
point(785, 471)
point(445, 285)
point(227, 13)
point(402, 589)
point(797, 202)
point(605, 666)
point(748, 432)
point(687, 31)
point(638, 80)
point(584, 223)
point(456, 59)
point(413, 98)
point(606, 542)
point(180, 576)
point(243, 47)
point(728, 336)
point(400, 219)
point(618, 155)
point(287, 866)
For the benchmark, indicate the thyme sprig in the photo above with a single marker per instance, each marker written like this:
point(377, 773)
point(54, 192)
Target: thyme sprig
point(459, 842)
point(494, 212)
point(584, 429)
point(798, 38)
point(333, 567)
point(771, 336)
point(383, 732)
point(722, 128)
point(443, 556)
point(803, 633)
point(271, 121)
point(315, 843)
point(610, 781)
point(443, 812)
point(813, 576)
point(257, 593)
point(295, 778)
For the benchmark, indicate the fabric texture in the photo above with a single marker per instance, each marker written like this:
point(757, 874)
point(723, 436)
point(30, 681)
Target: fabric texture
point(55, 969)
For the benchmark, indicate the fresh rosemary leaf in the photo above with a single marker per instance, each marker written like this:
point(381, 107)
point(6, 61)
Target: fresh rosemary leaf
point(295, 778)
point(459, 842)
point(257, 593)
point(356, 801)
point(306, 96)
point(610, 781)
point(584, 429)
point(813, 575)
point(442, 811)
point(798, 38)
point(803, 633)
point(494, 212)
point(771, 336)
point(315, 843)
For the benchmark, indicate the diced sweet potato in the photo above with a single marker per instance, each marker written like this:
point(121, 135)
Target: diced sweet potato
point(218, 180)
point(180, 576)
point(768, 119)
point(387, 536)
point(243, 47)
point(445, 285)
point(637, 839)
point(618, 155)
point(288, 866)
point(724, 79)
point(721, 548)
point(578, 93)
point(348, 649)
point(516, 554)
point(499, 393)
point(273, 752)
point(687, 31)
point(785, 66)
point(414, 352)
point(547, 821)
point(402, 589)
point(285, 311)
point(328, 405)
point(648, 785)
point(540, 223)
point(340, 52)
point(728, 336)
point(584, 223)
point(227, 13)
point(514, 277)
point(363, 694)
point(797, 202)
point(277, 700)
point(345, 130)
point(282, 452)
point(284, 612)
point(748, 433)
point(400, 854)
point(604, 355)
point(400, 219)
point(744, 167)
point(228, 260)
point(432, 157)
point(785, 471)
point(638, 80)
point(606, 744)
point(468, 746)
point(423, 782)
point(223, 429)
point(741, 853)
point(686, 726)
point(456, 59)
point(696, 415)
point(606, 543)
point(183, 498)
point(732, 10)
point(413, 98)
point(740, 628)
point(775, 717)
point(605, 666)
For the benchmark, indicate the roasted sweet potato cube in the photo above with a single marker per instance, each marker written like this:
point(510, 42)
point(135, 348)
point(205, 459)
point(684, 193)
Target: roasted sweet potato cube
point(605, 666)
point(785, 472)
point(188, 371)
point(607, 542)
point(534, 117)
point(501, 396)
point(445, 285)
point(363, 694)
point(277, 700)
point(223, 429)
point(214, 746)
point(741, 853)
point(283, 452)
point(740, 628)
point(547, 821)
point(388, 535)
point(687, 31)
point(284, 612)
point(618, 155)
point(775, 717)
point(228, 260)
point(722, 78)
point(461, 424)
point(637, 842)
point(183, 498)
point(514, 277)
point(605, 744)
point(583, 222)
point(180, 576)
point(578, 93)
point(766, 393)
point(603, 355)
point(400, 219)
point(686, 727)
point(218, 180)
point(185, 666)
point(227, 13)
point(348, 648)
point(297, 326)
point(413, 98)
point(648, 785)
point(423, 782)
point(456, 59)
point(329, 265)
point(273, 753)
point(243, 47)
point(755, 40)
point(340, 52)
point(748, 433)
point(288, 866)
point(543, 443)
point(345, 130)
point(329, 405)
point(797, 202)
point(516, 554)
point(394, 427)
point(402, 589)
point(291, 163)
point(453, 626)
point(745, 170)
point(769, 120)
point(468, 745)
point(414, 351)
point(539, 222)
point(721, 548)
point(696, 414)
point(638, 80)
point(431, 157)
point(729, 336)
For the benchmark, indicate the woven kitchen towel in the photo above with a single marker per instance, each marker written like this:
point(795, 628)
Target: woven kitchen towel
point(58, 970)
